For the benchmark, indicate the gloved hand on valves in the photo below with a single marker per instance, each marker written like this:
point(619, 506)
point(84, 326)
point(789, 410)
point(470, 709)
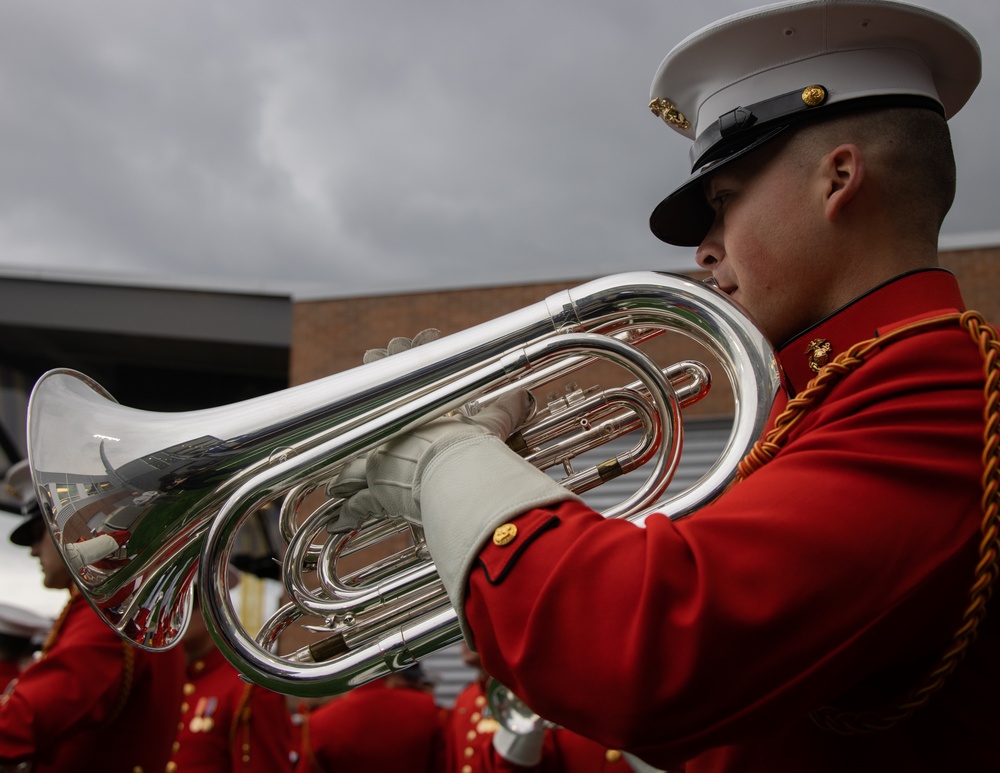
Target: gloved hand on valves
point(456, 477)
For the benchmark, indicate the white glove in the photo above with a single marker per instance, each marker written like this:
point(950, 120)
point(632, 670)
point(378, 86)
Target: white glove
point(457, 478)
point(520, 737)
point(352, 477)
point(386, 481)
point(352, 481)
point(524, 749)
point(401, 344)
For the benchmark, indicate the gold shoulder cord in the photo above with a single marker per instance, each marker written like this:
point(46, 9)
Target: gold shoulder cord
point(53, 634)
point(241, 719)
point(306, 743)
point(985, 337)
point(128, 673)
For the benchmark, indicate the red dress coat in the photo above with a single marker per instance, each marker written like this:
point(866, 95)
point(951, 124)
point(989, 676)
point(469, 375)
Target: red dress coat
point(86, 704)
point(469, 732)
point(229, 725)
point(837, 573)
point(375, 727)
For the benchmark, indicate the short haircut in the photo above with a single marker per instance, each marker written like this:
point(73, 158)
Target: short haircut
point(911, 155)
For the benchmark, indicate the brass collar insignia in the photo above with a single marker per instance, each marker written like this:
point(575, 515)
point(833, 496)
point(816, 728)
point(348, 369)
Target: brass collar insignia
point(819, 353)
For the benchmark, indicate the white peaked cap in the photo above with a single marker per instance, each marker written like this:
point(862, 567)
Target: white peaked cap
point(736, 83)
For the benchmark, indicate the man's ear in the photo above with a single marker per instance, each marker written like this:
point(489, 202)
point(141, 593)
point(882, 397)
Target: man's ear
point(844, 171)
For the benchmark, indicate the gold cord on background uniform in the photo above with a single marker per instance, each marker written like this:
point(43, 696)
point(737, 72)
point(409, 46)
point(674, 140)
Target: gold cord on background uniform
point(241, 718)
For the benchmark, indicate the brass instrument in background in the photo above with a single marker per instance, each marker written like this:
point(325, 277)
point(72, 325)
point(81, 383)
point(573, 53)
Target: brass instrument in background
point(138, 502)
point(512, 713)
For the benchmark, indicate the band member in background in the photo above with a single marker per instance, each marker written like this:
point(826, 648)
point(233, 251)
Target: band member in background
point(469, 724)
point(21, 635)
point(479, 742)
point(227, 724)
point(391, 723)
point(828, 612)
point(91, 699)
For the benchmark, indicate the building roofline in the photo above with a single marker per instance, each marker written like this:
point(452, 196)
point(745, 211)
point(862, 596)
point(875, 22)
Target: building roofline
point(969, 241)
point(77, 276)
point(320, 291)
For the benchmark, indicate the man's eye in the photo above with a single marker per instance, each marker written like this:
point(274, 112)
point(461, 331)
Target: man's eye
point(719, 200)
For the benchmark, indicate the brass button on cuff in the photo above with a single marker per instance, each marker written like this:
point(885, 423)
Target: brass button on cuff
point(504, 535)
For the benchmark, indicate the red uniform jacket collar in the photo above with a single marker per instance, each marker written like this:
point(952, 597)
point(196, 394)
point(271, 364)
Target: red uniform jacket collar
point(917, 294)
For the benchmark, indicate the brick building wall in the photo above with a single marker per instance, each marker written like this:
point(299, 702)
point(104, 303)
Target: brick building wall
point(331, 335)
point(978, 272)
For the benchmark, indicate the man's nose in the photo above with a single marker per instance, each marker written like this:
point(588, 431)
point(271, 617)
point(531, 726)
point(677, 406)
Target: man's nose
point(706, 256)
point(709, 253)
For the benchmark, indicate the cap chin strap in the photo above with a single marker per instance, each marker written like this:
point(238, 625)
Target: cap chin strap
point(743, 126)
point(738, 124)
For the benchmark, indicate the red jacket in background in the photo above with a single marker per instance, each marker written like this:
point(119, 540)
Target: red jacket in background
point(375, 727)
point(92, 702)
point(229, 725)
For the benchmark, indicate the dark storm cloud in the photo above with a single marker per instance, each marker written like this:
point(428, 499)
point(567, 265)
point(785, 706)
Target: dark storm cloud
point(360, 147)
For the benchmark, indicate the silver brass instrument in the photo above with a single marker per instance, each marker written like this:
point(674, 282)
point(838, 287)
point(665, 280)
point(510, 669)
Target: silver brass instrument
point(138, 502)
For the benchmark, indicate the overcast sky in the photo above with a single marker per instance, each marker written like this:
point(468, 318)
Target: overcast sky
point(363, 147)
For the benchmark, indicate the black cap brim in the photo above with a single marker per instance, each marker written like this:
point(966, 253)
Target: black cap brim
point(26, 534)
point(684, 217)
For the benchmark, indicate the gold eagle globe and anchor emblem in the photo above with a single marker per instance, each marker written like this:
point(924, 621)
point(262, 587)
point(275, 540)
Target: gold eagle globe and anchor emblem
point(819, 350)
point(667, 110)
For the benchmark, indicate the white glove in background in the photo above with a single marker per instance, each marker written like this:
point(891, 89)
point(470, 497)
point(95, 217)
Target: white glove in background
point(523, 749)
